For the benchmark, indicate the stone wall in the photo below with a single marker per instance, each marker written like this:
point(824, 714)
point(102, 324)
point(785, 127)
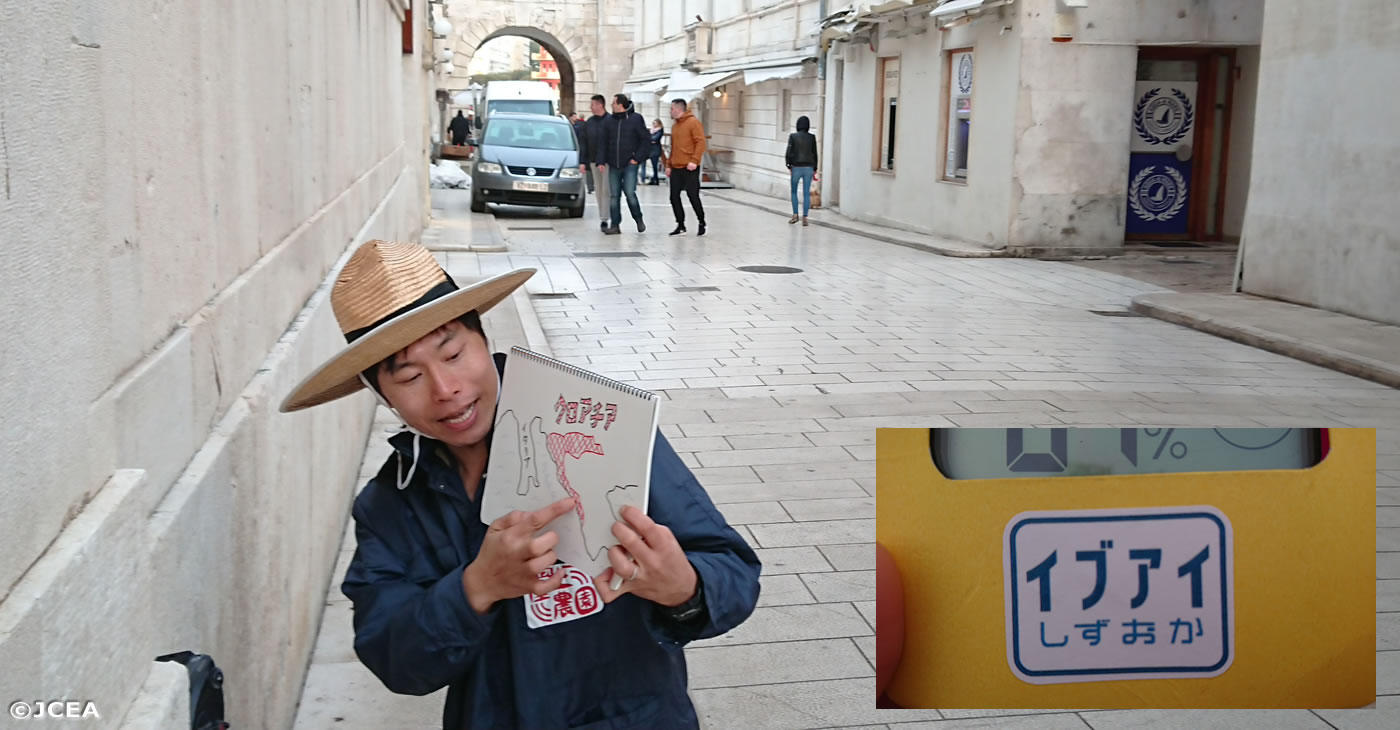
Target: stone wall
point(181, 181)
point(1319, 227)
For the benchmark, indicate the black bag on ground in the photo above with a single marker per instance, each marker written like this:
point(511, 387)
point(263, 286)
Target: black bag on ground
point(206, 689)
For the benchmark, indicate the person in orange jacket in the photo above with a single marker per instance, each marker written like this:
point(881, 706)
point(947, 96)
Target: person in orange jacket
point(683, 166)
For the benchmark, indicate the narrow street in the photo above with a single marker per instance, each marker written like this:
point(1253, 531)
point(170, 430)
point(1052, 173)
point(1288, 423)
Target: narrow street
point(774, 386)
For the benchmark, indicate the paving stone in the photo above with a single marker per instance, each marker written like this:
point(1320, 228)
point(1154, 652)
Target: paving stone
point(829, 532)
point(850, 557)
point(850, 585)
point(792, 661)
point(798, 705)
point(808, 510)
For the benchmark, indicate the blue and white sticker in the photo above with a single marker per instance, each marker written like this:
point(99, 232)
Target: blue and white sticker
point(1119, 594)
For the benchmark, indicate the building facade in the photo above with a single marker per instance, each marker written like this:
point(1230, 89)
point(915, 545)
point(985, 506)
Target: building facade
point(182, 181)
point(747, 67)
point(1043, 126)
point(1319, 229)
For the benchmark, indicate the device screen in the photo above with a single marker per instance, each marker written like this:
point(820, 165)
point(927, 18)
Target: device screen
point(1000, 453)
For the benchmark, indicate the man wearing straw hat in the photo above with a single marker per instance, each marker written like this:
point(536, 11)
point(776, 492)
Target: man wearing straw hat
point(437, 594)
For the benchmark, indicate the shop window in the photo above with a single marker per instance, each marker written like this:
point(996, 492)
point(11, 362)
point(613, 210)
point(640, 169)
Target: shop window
point(959, 128)
point(887, 105)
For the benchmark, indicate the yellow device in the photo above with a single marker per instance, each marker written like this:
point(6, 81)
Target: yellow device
point(1132, 568)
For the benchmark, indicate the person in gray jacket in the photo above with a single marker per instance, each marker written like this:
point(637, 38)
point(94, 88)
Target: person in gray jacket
point(802, 165)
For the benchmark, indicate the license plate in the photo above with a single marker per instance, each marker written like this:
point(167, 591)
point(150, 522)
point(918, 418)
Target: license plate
point(536, 187)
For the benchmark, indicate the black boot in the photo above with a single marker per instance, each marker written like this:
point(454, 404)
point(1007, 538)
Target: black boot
point(701, 230)
point(641, 226)
point(612, 231)
point(680, 228)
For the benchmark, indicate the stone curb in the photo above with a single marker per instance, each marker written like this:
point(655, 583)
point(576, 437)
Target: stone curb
point(876, 234)
point(1276, 342)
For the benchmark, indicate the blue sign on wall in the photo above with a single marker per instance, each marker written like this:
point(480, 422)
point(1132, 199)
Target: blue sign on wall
point(1158, 194)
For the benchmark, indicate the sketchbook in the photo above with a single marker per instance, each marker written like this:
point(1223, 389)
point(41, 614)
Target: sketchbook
point(562, 431)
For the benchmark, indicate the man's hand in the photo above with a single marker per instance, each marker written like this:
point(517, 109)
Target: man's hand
point(602, 166)
point(583, 168)
point(511, 558)
point(634, 162)
point(648, 551)
point(690, 166)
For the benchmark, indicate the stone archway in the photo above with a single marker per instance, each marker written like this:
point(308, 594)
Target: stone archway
point(567, 73)
point(569, 31)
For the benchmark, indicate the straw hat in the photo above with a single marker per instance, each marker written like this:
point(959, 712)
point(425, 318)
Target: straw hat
point(388, 296)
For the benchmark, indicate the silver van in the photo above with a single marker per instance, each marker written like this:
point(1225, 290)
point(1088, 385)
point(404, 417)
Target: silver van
point(527, 159)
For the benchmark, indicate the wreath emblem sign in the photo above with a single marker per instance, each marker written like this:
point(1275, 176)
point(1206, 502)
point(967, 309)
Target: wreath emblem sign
point(1163, 119)
point(965, 74)
point(1173, 188)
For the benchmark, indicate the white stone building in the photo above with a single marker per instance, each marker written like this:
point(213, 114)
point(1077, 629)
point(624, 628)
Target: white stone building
point(1320, 228)
point(1044, 126)
point(747, 66)
point(180, 183)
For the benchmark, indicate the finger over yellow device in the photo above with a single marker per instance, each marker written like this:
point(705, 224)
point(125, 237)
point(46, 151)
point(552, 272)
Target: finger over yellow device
point(1227, 587)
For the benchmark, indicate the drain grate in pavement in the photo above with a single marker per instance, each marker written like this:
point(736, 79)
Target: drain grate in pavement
point(554, 295)
point(1181, 260)
point(530, 228)
point(1173, 244)
point(1114, 313)
point(697, 288)
point(770, 269)
point(610, 255)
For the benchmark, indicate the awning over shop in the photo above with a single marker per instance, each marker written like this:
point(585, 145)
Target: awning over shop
point(759, 75)
point(953, 10)
point(688, 84)
point(637, 89)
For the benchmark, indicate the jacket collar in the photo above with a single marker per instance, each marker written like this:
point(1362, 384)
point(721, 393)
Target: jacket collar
point(433, 455)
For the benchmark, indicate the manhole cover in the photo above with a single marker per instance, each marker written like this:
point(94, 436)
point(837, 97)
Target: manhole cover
point(770, 269)
point(554, 295)
point(610, 255)
point(530, 228)
point(1114, 313)
point(697, 288)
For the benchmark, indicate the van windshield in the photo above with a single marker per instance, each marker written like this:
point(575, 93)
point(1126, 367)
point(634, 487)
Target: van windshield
point(524, 106)
point(538, 134)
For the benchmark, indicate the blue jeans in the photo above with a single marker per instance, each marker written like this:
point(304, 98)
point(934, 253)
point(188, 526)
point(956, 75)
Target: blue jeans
point(804, 176)
point(656, 167)
point(623, 180)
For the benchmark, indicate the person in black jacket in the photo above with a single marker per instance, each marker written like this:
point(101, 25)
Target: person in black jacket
point(440, 597)
point(576, 122)
point(459, 129)
point(657, 133)
point(802, 165)
point(590, 146)
point(627, 142)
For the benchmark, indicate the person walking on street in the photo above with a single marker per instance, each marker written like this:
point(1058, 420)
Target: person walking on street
point(802, 165)
point(657, 132)
point(687, 150)
point(459, 129)
point(577, 122)
point(626, 144)
point(590, 153)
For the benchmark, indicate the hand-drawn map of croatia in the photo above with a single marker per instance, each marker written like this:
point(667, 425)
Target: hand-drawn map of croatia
point(564, 432)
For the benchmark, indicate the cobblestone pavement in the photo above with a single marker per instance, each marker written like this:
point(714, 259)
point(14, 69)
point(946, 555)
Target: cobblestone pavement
point(776, 382)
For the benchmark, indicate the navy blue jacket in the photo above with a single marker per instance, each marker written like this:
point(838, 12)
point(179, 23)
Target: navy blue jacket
point(626, 138)
point(621, 668)
point(591, 146)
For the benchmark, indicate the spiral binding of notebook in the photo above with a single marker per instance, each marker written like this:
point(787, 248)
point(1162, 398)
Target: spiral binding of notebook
point(579, 372)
